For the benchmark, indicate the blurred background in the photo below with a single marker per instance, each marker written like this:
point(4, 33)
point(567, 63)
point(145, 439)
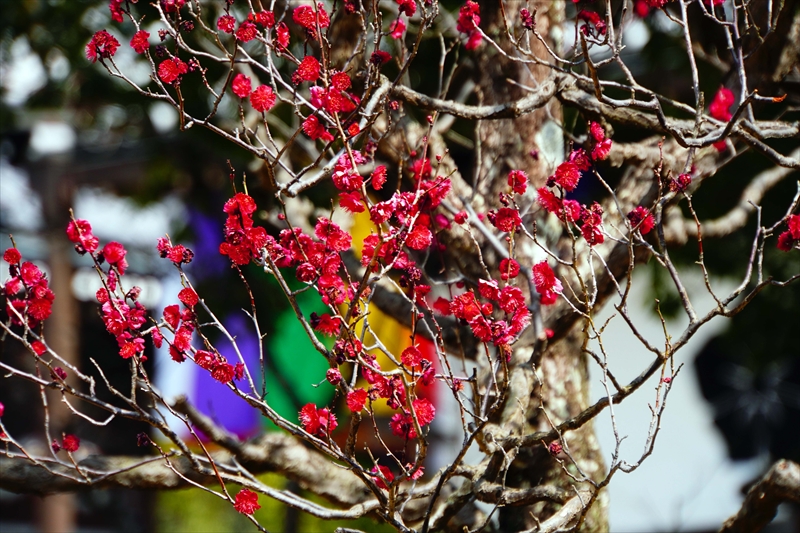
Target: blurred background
point(73, 137)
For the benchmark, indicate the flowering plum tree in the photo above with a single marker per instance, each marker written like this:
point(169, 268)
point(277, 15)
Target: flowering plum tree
point(500, 256)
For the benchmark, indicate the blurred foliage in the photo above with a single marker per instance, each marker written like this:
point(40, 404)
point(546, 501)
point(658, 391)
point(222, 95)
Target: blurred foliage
point(198, 510)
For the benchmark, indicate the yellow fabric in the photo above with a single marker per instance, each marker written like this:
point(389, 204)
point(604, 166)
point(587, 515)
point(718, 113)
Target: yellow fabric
point(394, 336)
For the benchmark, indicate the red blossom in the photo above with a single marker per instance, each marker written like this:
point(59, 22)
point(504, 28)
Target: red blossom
point(334, 376)
point(188, 297)
point(282, 35)
point(172, 315)
point(223, 372)
point(103, 45)
point(114, 253)
point(356, 399)
point(263, 98)
point(247, 31)
point(640, 217)
point(307, 70)
point(305, 17)
point(785, 241)
point(226, 23)
point(341, 81)
point(506, 219)
point(319, 422)
point(720, 105)
point(315, 130)
point(794, 225)
point(407, 6)
point(527, 19)
point(71, 443)
point(246, 502)
point(263, 18)
point(325, 324)
point(382, 474)
point(546, 282)
point(509, 268)
point(115, 6)
point(419, 238)
point(205, 359)
point(80, 232)
point(241, 85)
point(518, 181)
point(593, 224)
point(12, 256)
point(681, 183)
point(468, 17)
point(352, 202)
point(398, 28)
point(139, 41)
point(378, 177)
point(411, 357)
point(379, 58)
point(170, 70)
point(567, 175)
point(38, 347)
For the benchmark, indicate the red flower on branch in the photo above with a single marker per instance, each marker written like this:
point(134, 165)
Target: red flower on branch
point(356, 399)
point(103, 45)
point(241, 86)
point(640, 217)
point(319, 422)
point(139, 42)
point(246, 502)
point(307, 70)
point(315, 130)
point(71, 443)
point(262, 99)
point(170, 70)
point(721, 104)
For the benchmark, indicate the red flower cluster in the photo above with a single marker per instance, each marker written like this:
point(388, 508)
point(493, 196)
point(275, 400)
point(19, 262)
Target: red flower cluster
point(681, 183)
point(518, 181)
point(243, 241)
point(721, 104)
point(546, 282)
point(36, 303)
point(469, 17)
point(527, 19)
point(595, 25)
point(262, 99)
point(305, 17)
point(170, 70)
point(501, 332)
point(641, 218)
point(139, 42)
point(307, 70)
point(220, 369)
point(247, 31)
point(103, 45)
point(246, 502)
point(177, 254)
point(241, 86)
point(70, 443)
point(356, 399)
point(791, 237)
point(402, 424)
point(80, 232)
point(319, 422)
point(226, 23)
point(315, 130)
point(406, 6)
point(602, 144)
